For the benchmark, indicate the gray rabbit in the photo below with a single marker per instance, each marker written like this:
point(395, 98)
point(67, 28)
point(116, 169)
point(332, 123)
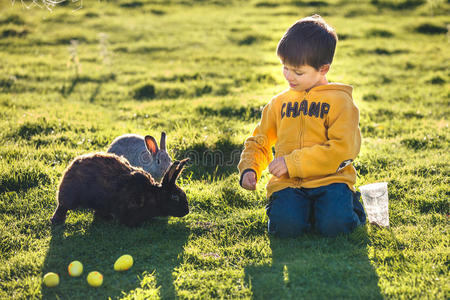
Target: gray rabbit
point(143, 152)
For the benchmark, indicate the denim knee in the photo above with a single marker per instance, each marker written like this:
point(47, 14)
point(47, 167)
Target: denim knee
point(286, 227)
point(288, 213)
point(334, 211)
point(334, 226)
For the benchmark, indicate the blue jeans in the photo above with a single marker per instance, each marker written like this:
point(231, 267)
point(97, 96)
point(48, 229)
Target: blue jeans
point(329, 210)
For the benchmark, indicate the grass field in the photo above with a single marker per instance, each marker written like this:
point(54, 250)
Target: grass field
point(74, 78)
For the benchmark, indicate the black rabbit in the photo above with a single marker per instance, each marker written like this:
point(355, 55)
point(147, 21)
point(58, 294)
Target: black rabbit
point(112, 187)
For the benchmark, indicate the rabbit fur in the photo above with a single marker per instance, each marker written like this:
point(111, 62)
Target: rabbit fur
point(112, 187)
point(143, 152)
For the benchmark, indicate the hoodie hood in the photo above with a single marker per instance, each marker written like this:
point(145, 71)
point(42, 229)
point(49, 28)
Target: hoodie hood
point(331, 87)
point(334, 87)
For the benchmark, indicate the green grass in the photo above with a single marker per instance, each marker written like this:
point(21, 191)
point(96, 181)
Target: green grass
point(201, 70)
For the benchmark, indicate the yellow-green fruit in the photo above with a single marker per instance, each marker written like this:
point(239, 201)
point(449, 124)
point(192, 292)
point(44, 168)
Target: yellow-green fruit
point(51, 279)
point(95, 279)
point(123, 263)
point(75, 268)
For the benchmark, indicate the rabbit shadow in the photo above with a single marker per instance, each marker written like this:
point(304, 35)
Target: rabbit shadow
point(314, 267)
point(155, 248)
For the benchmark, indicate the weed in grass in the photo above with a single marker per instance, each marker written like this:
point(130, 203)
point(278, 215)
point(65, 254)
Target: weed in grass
point(12, 19)
point(15, 32)
point(143, 49)
point(381, 51)
point(74, 39)
point(241, 113)
point(398, 5)
point(371, 97)
point(7, 83)
point(91, 14)
point(158, 12)
point(379, 33)
point(182, 77)
point(343, 36)
point(435, 6)
point(429, 28)
point(104, 53)
point(436, 80)
point(266, 4)
point(413, 114)
point(74, 60)
point(131, 4)
point(247, 39)
point(144, 91)
point(409, 66)
point(310, 3)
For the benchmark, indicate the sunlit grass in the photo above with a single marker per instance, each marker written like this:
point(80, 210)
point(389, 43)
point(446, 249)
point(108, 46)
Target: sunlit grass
point(201, 71)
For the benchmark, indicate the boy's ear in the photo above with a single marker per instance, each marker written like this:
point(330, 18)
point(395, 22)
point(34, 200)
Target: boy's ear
point(324, 69)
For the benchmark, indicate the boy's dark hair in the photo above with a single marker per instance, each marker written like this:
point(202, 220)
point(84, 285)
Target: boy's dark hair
point(310, 41)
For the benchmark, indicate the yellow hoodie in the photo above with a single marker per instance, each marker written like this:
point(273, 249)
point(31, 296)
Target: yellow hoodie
point(317, 132)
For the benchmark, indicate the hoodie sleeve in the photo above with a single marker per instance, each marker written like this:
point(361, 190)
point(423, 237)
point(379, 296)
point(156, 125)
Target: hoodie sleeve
point(257, 153)
point(341, 148)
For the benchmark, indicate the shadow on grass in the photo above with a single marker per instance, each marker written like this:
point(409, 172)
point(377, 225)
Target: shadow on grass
point(314, 267)
point(66, 91)
point(211, 161)
point(76, 80)
point(154, 247)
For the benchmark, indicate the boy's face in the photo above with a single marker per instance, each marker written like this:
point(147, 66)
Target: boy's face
point(304, 77)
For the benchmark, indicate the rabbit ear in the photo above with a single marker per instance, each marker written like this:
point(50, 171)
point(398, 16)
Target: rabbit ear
point(169, 174)
point(162, 143)
point(178, 171)
point(151, 145)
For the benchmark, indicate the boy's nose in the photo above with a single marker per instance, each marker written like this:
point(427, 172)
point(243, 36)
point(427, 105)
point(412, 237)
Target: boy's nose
point(289, 75)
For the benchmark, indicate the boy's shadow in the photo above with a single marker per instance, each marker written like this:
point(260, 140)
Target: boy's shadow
point(154, 247)
point(314, 267)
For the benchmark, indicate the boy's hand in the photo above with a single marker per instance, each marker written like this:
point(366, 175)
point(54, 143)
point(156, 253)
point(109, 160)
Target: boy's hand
point(278, 167)
point(249, 181)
